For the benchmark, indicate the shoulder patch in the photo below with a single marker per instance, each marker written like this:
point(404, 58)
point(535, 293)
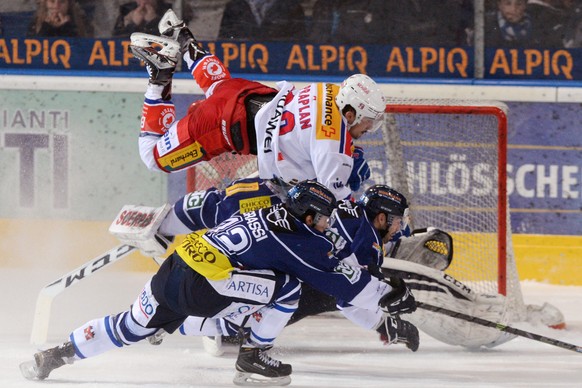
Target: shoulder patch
point(278, 219)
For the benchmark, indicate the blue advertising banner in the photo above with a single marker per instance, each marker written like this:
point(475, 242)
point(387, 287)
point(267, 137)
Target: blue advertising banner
point(304, 59)
point(545, 168)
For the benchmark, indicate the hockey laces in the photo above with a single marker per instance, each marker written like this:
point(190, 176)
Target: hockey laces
point(264, 357)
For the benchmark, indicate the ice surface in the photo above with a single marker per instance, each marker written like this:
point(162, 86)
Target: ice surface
point(324, 351)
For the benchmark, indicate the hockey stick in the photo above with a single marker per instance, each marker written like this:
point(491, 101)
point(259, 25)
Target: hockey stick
point(501, 327)
point(45, 298)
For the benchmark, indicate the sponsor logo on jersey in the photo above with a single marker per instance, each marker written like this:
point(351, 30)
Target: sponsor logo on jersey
point(252, 288)
point(146, 305)
point(255, 203)
point(329, 117)
point(181, 158)
point(203, 257)
point(241, 187)
point(273, 123)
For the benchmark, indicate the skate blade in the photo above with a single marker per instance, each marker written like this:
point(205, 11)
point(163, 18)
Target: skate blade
point(164, 46)
point(254, 379)
point(29, 370)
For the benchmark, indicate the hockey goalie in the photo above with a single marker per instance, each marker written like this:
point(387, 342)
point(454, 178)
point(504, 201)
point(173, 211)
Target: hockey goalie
point(421, 259)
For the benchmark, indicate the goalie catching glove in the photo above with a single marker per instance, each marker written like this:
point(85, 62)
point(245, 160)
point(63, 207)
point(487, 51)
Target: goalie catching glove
point(399, 300)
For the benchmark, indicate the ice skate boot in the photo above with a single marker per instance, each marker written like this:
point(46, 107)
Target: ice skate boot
point(172, 27)
point(160, 55)
point(398, 331)
point(255, 367)
point(48, 360)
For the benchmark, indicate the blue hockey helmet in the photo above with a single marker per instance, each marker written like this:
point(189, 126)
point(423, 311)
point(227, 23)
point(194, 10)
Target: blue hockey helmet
point(310, 198)
point(383, 199)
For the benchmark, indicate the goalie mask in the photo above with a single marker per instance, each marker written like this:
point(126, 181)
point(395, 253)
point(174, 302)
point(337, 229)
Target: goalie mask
point(310, 198)
point(363, 94)
point(384, 199)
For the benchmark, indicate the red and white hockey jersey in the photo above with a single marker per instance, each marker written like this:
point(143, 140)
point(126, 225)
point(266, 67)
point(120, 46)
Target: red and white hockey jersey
point(301, 134)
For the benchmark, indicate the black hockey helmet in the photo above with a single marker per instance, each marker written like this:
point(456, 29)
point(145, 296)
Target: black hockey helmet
point(310, 198)
point(383, 199)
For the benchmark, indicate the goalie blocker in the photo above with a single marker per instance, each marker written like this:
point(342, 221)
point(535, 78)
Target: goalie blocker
point(421, 259)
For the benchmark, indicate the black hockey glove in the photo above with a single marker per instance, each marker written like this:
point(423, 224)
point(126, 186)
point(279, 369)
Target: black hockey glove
point(398, 331)
point(399, 300)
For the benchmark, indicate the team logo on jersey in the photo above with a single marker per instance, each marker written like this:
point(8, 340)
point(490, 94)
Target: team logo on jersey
point(348, 207)
point(353, 274)
point(279, 218)
point(167, 118)
point(89, 333)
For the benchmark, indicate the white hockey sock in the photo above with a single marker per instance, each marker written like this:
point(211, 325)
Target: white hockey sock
point(154, 92)
point(194, 326)
point(100, 335)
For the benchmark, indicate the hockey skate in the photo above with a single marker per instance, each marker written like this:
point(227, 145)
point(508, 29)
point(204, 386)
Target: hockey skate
point(172, 27)
point(160, 55)
point(255, 367)
point(157, 338)
point(398, 331)
point(48, 360)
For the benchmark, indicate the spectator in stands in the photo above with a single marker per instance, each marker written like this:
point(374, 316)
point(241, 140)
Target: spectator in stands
point(573, 29)
point(427, 22)
point(348, 22)
point(267, 20)
point(509, 25)
point(59, 18)
point(549, 18)
point(139, 16)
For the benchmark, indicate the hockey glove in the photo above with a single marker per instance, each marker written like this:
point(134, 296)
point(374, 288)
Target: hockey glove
point(399, 300)
point(360, 169)
point(397, 331)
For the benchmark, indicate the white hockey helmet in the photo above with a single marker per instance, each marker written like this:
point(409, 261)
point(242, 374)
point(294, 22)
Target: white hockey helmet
point(363, 94)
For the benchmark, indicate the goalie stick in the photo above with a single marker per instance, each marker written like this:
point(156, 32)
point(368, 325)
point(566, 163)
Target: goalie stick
point(45, 298)
point(501, 327)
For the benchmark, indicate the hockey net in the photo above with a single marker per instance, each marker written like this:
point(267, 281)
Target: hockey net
point(449, 158)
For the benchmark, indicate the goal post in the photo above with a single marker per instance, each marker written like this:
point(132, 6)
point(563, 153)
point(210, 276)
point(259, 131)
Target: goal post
point(449, 158)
